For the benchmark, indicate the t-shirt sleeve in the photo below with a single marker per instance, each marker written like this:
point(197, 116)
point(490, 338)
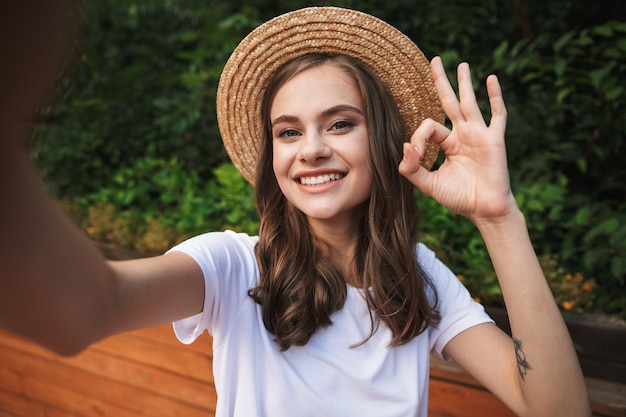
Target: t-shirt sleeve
point(228, 264)
point(457, 308)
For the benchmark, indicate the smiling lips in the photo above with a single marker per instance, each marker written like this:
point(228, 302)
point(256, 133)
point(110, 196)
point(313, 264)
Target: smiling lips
point(320, 179)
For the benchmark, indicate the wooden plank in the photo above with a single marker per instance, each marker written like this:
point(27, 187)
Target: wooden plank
point(13, 405)
point(31, 373)
point(178, 360)
point(447, 399)
point(32, 389)
point(139, 378)
point(165, 334)
point(608, 399)
point(134, 347)
point(166, 384)
point(116, 366)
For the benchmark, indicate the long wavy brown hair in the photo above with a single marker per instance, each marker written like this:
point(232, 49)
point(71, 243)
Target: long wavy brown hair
point(299, 288)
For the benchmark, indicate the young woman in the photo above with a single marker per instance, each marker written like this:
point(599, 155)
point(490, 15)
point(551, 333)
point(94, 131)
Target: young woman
point(334, 308)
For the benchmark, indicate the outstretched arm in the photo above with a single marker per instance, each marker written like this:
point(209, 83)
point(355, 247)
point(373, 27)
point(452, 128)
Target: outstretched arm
point(537, 372)
point(55, 287)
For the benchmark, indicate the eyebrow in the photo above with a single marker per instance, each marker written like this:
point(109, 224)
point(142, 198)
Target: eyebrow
point(328, 112)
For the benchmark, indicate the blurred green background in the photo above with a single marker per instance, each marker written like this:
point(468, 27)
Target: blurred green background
point(131, 148)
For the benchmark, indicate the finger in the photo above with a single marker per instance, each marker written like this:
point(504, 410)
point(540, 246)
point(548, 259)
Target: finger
point(496, 101)
point(446, 93)
point(431, 130)
point(412, 170)
point(410, 166)
point(411, 160)
point(467, 96)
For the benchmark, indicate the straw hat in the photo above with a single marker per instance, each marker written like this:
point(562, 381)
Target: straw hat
point(400, 64)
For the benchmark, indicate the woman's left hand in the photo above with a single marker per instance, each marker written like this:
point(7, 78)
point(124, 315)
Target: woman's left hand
point(473, 180)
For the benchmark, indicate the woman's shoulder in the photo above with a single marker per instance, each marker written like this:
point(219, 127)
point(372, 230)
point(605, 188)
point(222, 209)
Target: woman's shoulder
point(218, 239)
point(440, 275)
point(226, 244)
point(425, 255)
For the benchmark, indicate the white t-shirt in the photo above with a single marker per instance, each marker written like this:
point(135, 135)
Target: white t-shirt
point(326, 377)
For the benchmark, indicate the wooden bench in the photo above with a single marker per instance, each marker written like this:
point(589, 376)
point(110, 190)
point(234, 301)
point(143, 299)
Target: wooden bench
point(149, 373)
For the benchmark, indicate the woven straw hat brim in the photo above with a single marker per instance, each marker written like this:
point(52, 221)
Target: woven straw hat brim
point(400, 64)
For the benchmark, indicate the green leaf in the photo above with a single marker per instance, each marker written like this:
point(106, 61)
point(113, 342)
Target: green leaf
point(583, 215)
point(604, 228)
point(618, 266)
point(608, 226)
point(604, 30)
point(562, 41)
point(562, 94)
point(614, 93)
point(559, 67)
point(535, 205)
point(597, 75)
point(498, 53)
point(590, 257)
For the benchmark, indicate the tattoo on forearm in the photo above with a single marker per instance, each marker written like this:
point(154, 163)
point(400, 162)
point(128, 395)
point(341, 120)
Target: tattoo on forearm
point(522, 364)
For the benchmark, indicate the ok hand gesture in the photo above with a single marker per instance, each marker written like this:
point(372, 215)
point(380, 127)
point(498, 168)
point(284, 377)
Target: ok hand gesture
point(473, 180)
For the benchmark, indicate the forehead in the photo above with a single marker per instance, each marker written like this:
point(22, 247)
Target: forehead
point(324, 84)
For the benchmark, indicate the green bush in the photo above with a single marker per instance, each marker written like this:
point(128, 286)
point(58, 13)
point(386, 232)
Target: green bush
point(567, 149)
point(143, 85)
point(156, 204)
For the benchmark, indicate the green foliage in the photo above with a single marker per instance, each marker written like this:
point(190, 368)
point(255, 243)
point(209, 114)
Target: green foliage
point(156, 204)
point(143, 84)
point(567, 149)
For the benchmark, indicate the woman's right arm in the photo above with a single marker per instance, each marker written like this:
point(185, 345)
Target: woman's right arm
point(55, 287)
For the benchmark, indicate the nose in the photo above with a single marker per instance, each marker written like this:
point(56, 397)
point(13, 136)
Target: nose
point(313, 147)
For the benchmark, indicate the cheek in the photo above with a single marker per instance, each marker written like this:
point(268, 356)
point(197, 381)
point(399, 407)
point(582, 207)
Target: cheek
point(362, 156)
point(276, 161)
point(280, 164)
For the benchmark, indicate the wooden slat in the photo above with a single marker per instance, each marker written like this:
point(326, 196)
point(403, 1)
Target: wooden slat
point(165, 335)
point(138, 350)
point(117, 370)
point(13, 405)
point(454, 393)
point(143, 351)
point(32, 388)
point(31, 374)
point(447, 399)
point(608, 398)
point(142, 373)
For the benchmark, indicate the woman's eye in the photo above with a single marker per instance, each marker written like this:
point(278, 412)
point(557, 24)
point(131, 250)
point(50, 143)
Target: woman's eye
point(341, 124)
point(288, 133)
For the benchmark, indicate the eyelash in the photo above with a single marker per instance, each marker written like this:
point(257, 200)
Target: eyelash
point(288, 133)
point(347, 124)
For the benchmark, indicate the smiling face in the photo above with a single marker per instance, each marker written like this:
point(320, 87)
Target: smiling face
point(321, 153)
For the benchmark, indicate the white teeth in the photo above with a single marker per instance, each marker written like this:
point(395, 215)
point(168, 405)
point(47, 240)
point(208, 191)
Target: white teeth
point(320, 179)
